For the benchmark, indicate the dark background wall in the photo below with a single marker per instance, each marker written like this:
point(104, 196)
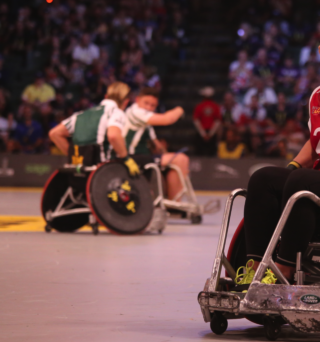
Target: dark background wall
point(206, 173)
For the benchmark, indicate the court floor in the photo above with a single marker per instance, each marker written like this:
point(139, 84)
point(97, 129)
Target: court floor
point(79, 287)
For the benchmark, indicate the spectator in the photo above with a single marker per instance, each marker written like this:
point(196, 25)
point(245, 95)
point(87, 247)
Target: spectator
point(240, 72)
point(263, 68)
point(287, 75)
point(294, 137)
point(305, 82)
point(279, 113)
point(207, 120)
point(274, 50)
point(308, 50)
point(28, 136)
point(7, 127)
point(132, 54)
point(86, 52)
point(254, 111)
point(267, 95)
point(39, 92)
point(230, 109)
point(247, 40)
point(231, 147)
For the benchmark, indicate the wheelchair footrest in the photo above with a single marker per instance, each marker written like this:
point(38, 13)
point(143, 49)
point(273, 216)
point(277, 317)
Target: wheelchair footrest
point(220, 301)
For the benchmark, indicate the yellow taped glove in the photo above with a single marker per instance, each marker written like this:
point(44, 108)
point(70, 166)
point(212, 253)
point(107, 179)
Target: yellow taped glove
point(132, 166)
point(293, 165)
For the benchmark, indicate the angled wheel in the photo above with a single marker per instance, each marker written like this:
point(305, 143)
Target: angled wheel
point(95, 228)
point(196, 219)
point(219, 323)
point(272, 328)
point(54, 189)
point(119, 202)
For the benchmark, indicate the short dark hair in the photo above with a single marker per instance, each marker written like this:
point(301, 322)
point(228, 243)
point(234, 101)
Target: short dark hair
point(149, 91)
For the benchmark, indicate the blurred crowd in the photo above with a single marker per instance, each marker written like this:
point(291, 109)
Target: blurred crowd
point(71, 51)
point(277, 66)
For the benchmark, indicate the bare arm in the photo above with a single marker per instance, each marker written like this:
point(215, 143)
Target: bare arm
point(116, 139)
point(306, 156)
point(59, 136)
point(159, 147)
point(199, 128)
point(168, 118)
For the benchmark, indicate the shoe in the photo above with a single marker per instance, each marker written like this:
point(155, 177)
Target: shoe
point(244, 280)
point(243, 284)
point(269, 278)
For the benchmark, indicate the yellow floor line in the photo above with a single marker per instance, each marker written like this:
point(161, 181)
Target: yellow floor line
point(25, 224)
point(19, 189)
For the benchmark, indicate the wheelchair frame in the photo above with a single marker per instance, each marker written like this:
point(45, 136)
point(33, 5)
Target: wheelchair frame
point(273, 301)
point(191, 207)
point(68, 210)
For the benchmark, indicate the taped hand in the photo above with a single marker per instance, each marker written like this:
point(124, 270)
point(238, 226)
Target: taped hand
point(132, 166)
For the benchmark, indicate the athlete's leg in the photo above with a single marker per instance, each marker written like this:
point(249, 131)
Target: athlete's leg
point(303, 221)
point(263, 209)
point(173, 180)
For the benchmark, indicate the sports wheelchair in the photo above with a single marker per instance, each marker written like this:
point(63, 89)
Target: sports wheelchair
point(270, 305)
point(185, 204)
point(85, 191)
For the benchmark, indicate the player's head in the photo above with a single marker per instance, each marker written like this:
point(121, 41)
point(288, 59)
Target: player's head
point(119, 93)
point(148, 98)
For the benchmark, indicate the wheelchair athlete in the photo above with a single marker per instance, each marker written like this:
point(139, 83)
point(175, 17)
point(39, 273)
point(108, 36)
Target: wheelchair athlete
point(268, 192)
point(141, 117)
point(101, 125)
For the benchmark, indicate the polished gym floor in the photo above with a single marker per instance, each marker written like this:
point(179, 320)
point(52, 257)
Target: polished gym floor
point(84, 288)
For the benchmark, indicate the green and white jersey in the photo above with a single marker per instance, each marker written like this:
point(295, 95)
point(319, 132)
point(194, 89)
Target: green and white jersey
point(90, 126)
point(137, 132)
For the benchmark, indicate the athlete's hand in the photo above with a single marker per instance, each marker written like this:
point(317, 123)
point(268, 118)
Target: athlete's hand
point(131, 166)
point(179, 110)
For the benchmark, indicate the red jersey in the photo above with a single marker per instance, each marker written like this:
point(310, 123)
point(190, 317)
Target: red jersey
point(207, 112)
point(314, 123)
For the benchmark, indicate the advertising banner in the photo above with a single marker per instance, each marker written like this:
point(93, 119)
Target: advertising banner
point(206, 173)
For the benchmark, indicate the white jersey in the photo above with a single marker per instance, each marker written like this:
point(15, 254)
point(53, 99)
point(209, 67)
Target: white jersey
point(90, 126)
point(137, 132)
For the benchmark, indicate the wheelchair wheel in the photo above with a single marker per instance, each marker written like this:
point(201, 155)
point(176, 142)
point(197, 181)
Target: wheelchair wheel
point(54, 189)
point(119, 202)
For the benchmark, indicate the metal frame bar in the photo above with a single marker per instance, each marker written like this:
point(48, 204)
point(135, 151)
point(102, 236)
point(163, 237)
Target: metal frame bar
point(220, 258)
point(267, 258)
point(59, 211)
point(160, 197)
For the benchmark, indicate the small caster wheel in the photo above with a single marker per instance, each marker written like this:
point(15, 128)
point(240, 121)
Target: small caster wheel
point(219, 323)
point(196, 219)
point(47, 228)
point(95, 228)
point(272, 328)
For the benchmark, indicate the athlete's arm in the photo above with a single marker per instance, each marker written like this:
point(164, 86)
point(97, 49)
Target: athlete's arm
point(116, 139)
point(159, 147)
point(168, 118)
point(59, 136)
point(306, 156)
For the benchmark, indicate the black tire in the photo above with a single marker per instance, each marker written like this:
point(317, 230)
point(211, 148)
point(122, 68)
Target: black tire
point(272, 328)
point(53, 191)
point(47, 228)
point(196, 219)
point(113, 215)
point(218, 324)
